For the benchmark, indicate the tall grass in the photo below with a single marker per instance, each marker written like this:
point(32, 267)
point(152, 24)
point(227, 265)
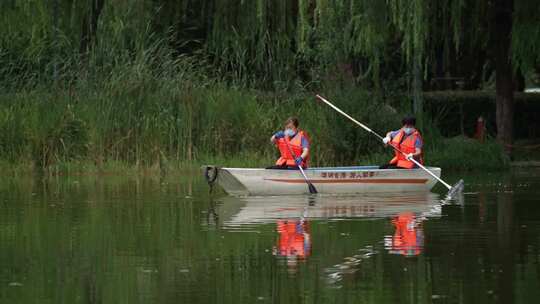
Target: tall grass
point(146, 124)
point(159, 127)
point(153, 109)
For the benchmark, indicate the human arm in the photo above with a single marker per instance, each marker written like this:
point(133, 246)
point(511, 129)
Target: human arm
point(300, 159)
point(276, 136)
point(418, 144)
point(417, 152)
point(305, 151)
point(389, 136)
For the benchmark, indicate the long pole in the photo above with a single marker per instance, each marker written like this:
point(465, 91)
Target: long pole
point(381, 138)
point(311, 188)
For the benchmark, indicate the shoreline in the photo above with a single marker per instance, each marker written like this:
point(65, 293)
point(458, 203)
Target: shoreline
point(116, 169)
point(525, 164)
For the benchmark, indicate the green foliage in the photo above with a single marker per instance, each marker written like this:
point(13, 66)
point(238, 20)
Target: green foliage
point(526, 35)
point(172, 81)
point(163, 122)
point(456, 112)
point(464, 154)
point(267, 44)
point(60, 136)
point(145, 117)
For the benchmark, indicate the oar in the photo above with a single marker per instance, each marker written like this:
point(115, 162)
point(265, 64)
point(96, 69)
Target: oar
point(311, 188)
point(452, 190)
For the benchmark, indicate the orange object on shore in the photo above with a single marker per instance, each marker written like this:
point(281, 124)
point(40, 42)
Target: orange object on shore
point(480, 133)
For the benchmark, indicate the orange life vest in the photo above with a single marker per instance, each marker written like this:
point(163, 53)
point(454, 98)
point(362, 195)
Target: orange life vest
point(295, 144)
point(406, 145)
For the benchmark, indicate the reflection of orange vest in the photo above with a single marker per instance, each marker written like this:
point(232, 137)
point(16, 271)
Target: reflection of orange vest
point(293, 238)
point(295, 145)
point(405, 240)
point(406, 145)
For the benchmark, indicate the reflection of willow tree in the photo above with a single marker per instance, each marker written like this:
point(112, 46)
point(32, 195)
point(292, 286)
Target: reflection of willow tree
point(106, 241)
point(507, 244)
point(95, 241)
point(272, 42)
point(113, 240)
point(484, 255)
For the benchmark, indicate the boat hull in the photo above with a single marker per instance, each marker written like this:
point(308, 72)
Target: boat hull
point(327, 180)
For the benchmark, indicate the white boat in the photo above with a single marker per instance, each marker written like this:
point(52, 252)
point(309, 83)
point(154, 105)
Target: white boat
point(327, 180)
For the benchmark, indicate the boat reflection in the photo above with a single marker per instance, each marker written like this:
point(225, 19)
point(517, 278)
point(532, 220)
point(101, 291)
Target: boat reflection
point(251, 211)
point(293, 215)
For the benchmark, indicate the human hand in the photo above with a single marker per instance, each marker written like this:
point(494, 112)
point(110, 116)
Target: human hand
point(409, 156)
point(299, 160)
point(386, 140)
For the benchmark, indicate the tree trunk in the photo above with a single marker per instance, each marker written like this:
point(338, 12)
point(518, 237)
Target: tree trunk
point(507, 244)
point(502, 37)
point(90, 24)
point(519, 81)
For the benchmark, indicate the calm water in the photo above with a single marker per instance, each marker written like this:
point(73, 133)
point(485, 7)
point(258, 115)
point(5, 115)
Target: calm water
point(121, 240)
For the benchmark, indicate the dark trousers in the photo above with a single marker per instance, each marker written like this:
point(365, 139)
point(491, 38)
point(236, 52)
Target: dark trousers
point(282, 167)
point(389, 166)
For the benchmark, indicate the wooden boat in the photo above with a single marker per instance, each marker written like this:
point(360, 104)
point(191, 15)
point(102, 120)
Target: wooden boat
point(327, 180)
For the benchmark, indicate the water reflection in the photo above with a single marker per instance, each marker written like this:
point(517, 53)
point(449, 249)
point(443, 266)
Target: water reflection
point(294, 239)
point(292, 217)
point(408, 238)
point(293, 243)
point(109, 240)
point(238, 213)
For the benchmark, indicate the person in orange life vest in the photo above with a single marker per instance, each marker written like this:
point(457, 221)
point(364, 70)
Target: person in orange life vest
point(291, 139)
point(408, 140)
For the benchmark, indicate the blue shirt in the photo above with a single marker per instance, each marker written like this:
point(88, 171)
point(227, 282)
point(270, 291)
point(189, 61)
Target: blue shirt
point(304, 142)
point(417, 144)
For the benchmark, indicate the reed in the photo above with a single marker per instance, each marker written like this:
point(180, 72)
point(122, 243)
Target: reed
point(144, 122)
point(149, 108)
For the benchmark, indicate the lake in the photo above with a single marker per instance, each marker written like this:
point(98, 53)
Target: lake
point(114, 239)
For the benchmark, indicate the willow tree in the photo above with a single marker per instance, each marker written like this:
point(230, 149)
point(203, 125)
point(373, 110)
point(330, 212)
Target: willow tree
point(501, 37)
point(518, 28)
point(272, 44)
point(508, 31)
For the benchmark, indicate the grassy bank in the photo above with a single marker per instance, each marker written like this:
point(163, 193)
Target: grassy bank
point(156, 127)
point(151, 113)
